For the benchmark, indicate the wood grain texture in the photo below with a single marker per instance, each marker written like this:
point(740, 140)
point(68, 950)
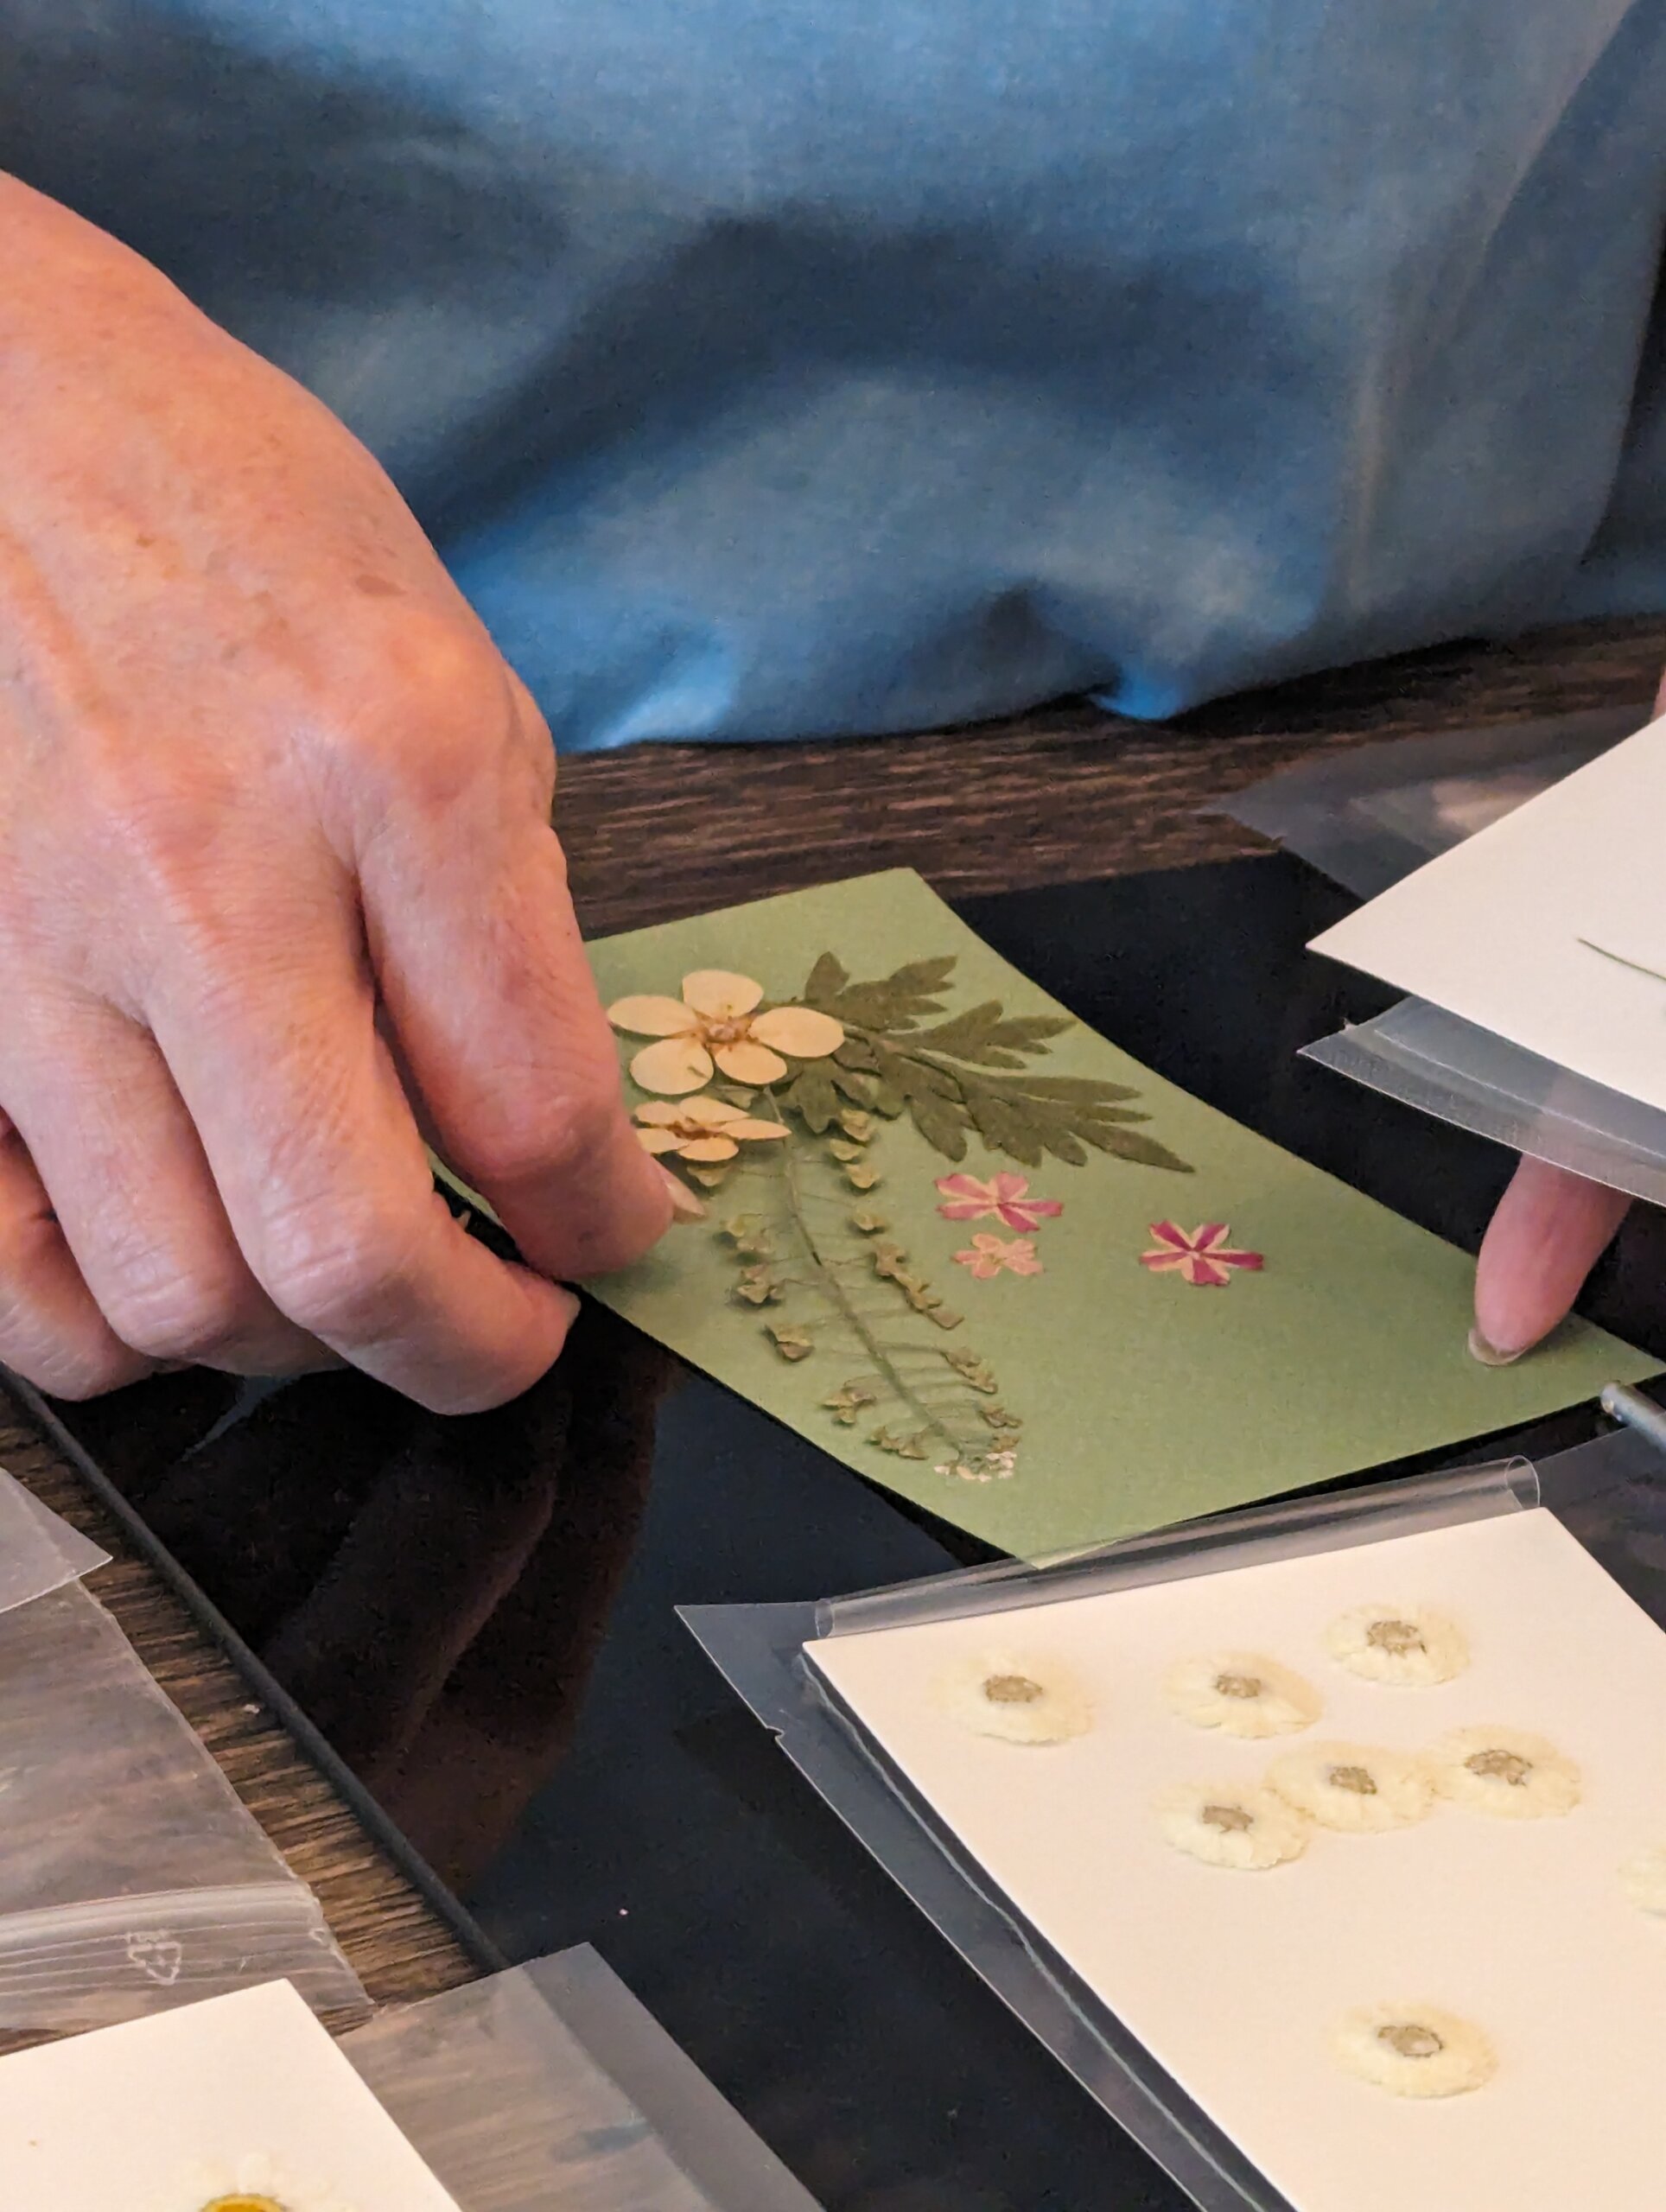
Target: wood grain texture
point(1066, 793)
point(1063, 794)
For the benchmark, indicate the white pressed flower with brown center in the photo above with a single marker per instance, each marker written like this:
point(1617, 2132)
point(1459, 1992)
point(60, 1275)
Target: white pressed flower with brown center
point(715, 1025)
point(1241, 1694)
point(1414, 2050)
point(1017, 1696)
point(702, 1129)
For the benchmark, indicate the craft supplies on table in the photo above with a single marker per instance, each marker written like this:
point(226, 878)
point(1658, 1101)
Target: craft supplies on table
point(935, 1202)
point(1443, 1980)
point(132, 1878)
point(543, 2086)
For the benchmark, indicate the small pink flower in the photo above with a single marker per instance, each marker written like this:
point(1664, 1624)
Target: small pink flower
point(1002, 1199)
point(988, 1256)
point(1203, 1257)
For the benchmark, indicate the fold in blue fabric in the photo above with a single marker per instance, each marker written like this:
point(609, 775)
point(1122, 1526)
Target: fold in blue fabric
point(776, 367)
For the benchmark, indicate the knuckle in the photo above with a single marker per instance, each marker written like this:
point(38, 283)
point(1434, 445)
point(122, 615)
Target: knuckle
point(514, 1143)
point(343, 1281)
point(443, 697)
point(178, 1318)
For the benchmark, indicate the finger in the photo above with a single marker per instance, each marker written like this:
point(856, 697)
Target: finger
point(1549, 1232)
point(320, 1168)
point(479, 964)
point(136, 1206)
point(51, 1331)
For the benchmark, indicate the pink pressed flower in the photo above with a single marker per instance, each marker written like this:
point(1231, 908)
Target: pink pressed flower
point(1002, 1199)
point(988, 1256)
point(1203, 1257)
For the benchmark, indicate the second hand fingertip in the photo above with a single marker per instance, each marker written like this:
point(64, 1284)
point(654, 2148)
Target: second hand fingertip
point(686, 1209)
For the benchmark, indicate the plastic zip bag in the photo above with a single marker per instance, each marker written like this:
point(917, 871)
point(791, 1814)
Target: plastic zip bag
point(132, 1878)
point(38, 1552)
point(549, 2085)
point(1371, 814)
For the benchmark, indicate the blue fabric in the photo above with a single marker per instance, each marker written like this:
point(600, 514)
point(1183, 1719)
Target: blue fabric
point(776, 367)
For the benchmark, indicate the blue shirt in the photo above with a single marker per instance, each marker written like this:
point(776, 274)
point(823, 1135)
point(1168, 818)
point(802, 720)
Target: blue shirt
point(775, 366)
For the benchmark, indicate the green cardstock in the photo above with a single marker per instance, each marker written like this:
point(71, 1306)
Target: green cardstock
point(1085, 1392)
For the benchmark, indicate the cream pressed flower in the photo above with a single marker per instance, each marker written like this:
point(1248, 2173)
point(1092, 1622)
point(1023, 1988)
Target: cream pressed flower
point(1241, 1694)
point(254, 2184)
point(1225, 1825)
point(1506, 1772)
point(1353, 1788)
point(715, 1025)
point(1406, 1647)
point(1643, 1879)
point(1021, 1698)
point(1414, 2050)
point(702, 1128)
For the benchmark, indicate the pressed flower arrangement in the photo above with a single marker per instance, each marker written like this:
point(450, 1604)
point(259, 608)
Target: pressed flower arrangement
point(790, 1098)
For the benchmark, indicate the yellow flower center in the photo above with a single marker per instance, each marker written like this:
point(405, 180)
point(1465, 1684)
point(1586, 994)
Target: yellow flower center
point(1411, 2040)
point(725, 1029)
point(1011, 1689)
point(244, 2202)
point(1500, 1766)
point(1243, 1686)
point(1396, 1636)
point(1230, 1820)
point(1355, 1779)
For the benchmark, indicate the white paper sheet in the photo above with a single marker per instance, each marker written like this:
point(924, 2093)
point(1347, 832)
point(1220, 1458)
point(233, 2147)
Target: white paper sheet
point(1235, 1981)
point(132, 2115)
point(1492, 930)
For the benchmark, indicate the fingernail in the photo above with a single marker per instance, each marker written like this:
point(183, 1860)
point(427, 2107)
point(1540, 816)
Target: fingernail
point(1490, 1355)
point(685, 1207)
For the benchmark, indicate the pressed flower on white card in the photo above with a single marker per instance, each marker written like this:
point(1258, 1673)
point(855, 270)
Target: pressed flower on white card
point(1355, 1789)
point(1405, 1647)
point(1414, 2050)
point(1507, 1773)
point(1241, 1694)
point(1223, 1824)
point(1020, 1697)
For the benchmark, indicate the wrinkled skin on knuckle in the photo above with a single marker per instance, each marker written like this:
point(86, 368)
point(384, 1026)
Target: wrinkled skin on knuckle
point(342, 1272)
point(520, 1139)
point(197, 1318)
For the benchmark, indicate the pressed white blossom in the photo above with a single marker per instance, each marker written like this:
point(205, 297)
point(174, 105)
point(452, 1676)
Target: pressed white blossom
point(1225, 1824)
point(1021, 1697)
point(1406, 1646)
point(1505, 1772)
point(1353, 1788)
point(1241, 1694)
point(1414, 2050)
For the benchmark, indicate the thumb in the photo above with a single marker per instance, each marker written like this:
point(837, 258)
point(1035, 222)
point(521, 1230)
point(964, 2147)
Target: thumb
point(1550, 1229)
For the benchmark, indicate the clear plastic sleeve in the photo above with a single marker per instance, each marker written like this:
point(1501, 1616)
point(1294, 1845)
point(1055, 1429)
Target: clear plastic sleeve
point(549, 2085)
point(1459, 1073)
point(38, 1552)
point(759, 1650)
point(133, 1877)
point(1371, 814)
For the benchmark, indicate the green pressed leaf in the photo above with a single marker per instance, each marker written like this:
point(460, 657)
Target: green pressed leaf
point(987, 1034)
point(858, 1125)
point(842, 1148)
point(867, 1220)
point(792, 1341)
point(898, 1001)
point(862, 1175)
point(944, 1318)
point(709, 1179)
point(1132, 1144)
point(755, 1288)
point(847, 1403)
point(811, 1097)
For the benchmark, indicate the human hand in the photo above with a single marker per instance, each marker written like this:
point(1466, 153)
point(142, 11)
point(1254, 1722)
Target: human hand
point(279, 895)
point(1548, 1231)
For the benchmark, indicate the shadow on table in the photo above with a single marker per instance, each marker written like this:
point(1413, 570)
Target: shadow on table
point(432, 1592)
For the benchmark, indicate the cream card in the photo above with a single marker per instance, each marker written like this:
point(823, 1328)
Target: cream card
point(1527, 928)
point(243, 2098)
point(1235, 1980)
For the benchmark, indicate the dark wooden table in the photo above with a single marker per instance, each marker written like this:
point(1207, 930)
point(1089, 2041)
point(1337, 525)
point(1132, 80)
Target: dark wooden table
point(1064, 794)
